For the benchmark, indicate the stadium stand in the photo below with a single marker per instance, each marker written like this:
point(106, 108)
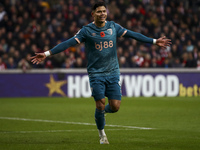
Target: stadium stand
point(30, 26)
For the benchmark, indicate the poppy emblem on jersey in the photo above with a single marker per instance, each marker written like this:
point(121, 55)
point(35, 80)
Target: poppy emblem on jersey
point(102, 34)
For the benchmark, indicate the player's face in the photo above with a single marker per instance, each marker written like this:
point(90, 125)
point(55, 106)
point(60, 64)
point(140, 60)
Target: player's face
point(100, 14)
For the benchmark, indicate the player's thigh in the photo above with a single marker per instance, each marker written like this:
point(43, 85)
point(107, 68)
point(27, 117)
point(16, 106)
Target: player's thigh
point(98, 87)
point(113, 88)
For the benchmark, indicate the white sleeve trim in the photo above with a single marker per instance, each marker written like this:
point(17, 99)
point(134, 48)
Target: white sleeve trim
point(123, 33)
point(77, 40)
point(47, 53)
point(154, 41)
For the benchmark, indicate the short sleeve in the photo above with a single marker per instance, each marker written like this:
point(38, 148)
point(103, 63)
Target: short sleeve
point(120, 30)
point(80, 36)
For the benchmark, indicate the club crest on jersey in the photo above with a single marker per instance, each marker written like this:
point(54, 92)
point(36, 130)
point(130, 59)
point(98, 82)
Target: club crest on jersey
point(109, 31)
point(93, 34)
point(102, 34)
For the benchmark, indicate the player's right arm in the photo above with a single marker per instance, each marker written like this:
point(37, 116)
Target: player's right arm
point(78, 38)
point(39, 57)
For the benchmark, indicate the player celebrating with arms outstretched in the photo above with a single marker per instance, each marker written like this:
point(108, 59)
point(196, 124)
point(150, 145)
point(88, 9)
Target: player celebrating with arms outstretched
point(103, 68)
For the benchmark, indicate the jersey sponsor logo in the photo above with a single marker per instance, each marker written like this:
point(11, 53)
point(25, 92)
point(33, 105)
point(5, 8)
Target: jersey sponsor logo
point(110, 31)
point(104, 44)
point(102, 34)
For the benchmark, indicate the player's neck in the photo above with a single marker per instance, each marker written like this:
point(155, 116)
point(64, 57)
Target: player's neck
point(100, 24)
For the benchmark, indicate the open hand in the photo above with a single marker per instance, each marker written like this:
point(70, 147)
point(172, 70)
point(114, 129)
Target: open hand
point(39, 57)
point(163, 42)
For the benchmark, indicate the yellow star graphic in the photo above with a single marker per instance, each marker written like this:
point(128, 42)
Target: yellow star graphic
point(55, 86)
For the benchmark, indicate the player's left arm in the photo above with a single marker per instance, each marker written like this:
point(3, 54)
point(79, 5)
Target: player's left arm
point(122, 32)
point(162, 41)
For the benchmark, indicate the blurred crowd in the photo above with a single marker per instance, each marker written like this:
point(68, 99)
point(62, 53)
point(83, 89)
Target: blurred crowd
point(33, 26)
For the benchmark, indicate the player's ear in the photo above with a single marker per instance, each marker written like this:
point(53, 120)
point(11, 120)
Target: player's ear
point(92, 13)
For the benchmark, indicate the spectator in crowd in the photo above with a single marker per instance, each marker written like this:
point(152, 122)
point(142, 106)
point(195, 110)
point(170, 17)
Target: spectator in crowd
point(11, 64)
point(166, 63)
point(2, 64)
point(79, 63)
point(176, 63)
point(147, 60)
point(67, 63)
point(191, 62)
point(139, 59)
point(153, 63)
point(2, 12)
point(27, 27)
point(48, 64)
point(198, 64)
point(24, 65)
point(123, 62)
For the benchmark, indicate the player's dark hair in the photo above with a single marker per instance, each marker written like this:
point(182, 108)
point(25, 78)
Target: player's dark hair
point(97, 4)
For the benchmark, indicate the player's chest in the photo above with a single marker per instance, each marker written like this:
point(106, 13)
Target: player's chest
point(101, 35)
